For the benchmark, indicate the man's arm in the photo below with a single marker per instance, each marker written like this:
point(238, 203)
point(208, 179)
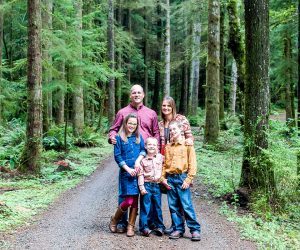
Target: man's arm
point(114, 129)
point(155, 129)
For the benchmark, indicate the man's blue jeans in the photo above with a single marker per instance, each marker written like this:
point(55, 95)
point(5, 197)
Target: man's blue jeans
point(148, 201)
point(178, 197)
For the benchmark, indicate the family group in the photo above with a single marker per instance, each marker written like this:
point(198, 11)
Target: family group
point(151, 154)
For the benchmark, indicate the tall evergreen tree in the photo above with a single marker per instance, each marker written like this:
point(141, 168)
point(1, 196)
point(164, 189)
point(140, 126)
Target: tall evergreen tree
point(47, 63)
point(257, 172)
point(1, 47)
point(33, 146)
point(76, 74)
point(167, 51)
point(111, 58)
point(212, 73)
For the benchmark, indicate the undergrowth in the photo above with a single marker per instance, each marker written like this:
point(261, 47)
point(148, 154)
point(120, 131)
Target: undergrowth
point(271, 226)
point(23, 197)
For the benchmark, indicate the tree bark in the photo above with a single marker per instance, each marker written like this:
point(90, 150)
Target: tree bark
point(146, 58)
point(1, 47)
point(167, 52)
point(222, 55)
point(233, 88)
point(155, 100)
point(195, 66)
point(47, 63)
point(30, 158)
point(76, 75)
point(111, 59)
point(290, 116)
point(118, 96)
point(212, 73)
point(257, 172)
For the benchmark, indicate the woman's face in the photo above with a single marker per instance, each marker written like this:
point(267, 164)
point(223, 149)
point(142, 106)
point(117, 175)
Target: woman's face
point(131, 125)
point(166, 108)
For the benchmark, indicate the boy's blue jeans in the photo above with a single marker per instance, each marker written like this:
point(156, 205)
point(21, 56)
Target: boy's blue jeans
point(148, 201)
point(178, 196)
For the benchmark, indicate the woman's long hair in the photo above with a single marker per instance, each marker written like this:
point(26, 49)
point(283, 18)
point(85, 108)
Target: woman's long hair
point(124, 131)
point(171, 101)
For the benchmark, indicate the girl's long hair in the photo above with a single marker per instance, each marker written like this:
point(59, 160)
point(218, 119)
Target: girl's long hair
point(124, 131)
point(171, 101)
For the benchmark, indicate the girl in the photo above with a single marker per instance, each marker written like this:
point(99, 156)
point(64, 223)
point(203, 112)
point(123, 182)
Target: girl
point(129, 146)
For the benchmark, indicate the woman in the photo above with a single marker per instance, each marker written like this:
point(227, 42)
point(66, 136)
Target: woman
point(168, 114)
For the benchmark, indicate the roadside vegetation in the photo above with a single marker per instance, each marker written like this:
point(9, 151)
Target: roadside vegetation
point(274, 225)
point(22, 197)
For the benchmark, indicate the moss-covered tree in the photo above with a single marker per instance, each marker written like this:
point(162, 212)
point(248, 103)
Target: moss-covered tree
point(30, 159)
point(257, 172)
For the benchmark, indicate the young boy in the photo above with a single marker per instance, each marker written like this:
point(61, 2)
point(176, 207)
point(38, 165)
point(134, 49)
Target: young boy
point(178, 172)
point(148, 180)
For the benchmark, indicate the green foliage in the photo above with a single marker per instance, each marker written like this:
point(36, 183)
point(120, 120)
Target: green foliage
point(31, 195)
point(12, 139)
point(275, 223)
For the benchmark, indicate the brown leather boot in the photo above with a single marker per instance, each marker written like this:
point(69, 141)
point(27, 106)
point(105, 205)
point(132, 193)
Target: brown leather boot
point(131, 221)
point(115, 219)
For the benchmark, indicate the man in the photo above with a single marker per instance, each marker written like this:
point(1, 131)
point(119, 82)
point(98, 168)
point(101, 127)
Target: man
point(147, 117)
point(148, 128)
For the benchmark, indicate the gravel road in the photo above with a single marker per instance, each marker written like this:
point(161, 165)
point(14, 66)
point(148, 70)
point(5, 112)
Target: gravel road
point(79, 220)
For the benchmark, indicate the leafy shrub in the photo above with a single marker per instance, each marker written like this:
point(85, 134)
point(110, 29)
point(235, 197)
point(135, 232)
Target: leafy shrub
point(88, 138)
point(51, 142)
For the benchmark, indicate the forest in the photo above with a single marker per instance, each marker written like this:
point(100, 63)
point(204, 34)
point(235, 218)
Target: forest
point(232, 66)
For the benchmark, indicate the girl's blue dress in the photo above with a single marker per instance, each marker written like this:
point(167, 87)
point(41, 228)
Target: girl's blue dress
point(127, 153)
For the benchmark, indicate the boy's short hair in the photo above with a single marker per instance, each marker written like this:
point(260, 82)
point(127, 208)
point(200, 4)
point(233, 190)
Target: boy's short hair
point(151, 138)
point(178, 123)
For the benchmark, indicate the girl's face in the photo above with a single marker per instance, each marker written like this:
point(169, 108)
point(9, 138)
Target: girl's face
point(166, 108)
point(175, 131)
point(131, 125)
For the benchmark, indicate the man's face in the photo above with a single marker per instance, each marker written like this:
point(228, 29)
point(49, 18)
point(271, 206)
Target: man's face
point(151, 146)
point(136, 95)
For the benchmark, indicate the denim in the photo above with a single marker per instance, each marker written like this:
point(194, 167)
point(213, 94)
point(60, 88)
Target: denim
point(151, 207)
point(177, 198)
point(127, 153)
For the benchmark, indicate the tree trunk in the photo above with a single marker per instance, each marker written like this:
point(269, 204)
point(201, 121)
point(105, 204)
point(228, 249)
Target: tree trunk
point(233, 88)
point(183, 109)
point(184, 100)
point(156, 92)
point(257, 172)
point(212, 73)
point(167, 51)
point(76, 76)
point(111, 59)
point(47, 63)
point(195, 66)
point(298, 92)
point(30, 158)
point(235, 44)
point(146, 55)
point(290, 118)
point(1, 47)
point(60, 119)
point(118, 96)
point(222, 32)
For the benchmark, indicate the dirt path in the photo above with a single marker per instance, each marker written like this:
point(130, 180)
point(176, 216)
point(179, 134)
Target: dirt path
point(79, 220)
